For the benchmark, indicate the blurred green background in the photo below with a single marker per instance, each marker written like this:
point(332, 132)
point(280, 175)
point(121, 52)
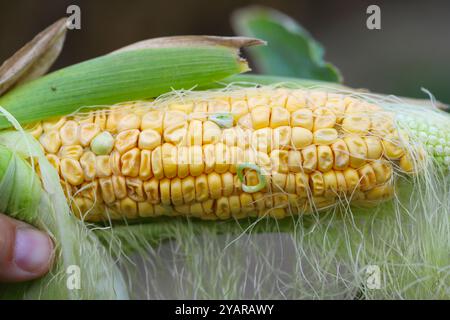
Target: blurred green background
point(411, 50)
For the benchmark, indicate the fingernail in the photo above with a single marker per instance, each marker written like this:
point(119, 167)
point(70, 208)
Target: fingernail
point(33, 250)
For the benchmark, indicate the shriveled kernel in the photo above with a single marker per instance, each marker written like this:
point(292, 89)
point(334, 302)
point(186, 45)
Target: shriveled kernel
point(357, 151)
point(351, 179)
point(383, 171)
point(169, 160)
point(325, 158)
point(341, 155)
point(324, 118)
point(201, 188)
point(208, 210)
point(281, 137)
point(382, 124)
point(302, 118)
point(341, 185)
point(100, 119)
point(196, 165)
point(131, 162)
point(128, 207)
point(51, 141)
point(54, 161)
point(153, 120)
point(279, 117)
point(188, 189)
point(325, 136)
point(126, 140)
point(151, 189)
point(317, 183)
point(260, 117)
point(71, 171)
point(223, 208)
point(53, 124)
point(176, 133)
point(88, 164)
point(357, 124)
point(183, 162)
point(119, 186)
point(367, 177)
point(88, 131)
point(114, 162)
point(74, 152)
point(406, 164)
point(145, 169)
point(69, 133)
point(301, 137)
point(176, 193)
point(103, 143)
point(295, 160)
point(149, 139)
point(195, 134)
point(102, 166)
point(279, 159)
point(214, 185)
point(374, 147)
point(107, 190)
point(392, 148)
point(157, 165)
point(211, 132)
point(164, 189)
point(309, 156)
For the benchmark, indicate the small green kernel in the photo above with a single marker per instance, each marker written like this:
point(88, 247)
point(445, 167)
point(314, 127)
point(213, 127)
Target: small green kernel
point(103, 143)
point(223, 120)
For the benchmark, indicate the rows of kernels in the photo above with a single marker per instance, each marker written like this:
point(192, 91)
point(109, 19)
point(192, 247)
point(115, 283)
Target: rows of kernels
point(315, 143)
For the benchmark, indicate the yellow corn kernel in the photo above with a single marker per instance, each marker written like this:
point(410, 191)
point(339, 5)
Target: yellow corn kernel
point(87, 132)
point(330, 184)
point(157, 165)
point(201, 188)
point(324, 158)
point(209, 157)
point(325, 136)
point(281, 138)
point(406, 164)
point(151, 189)
point(221, 104)
point(183, 162)
point(176, 133)
point(222, 158)
point(380, 193)
point(317, 183)
point(278, 182)
point(382, 170)
point(51, 141)
point(74, 152)
point(235, 205)
point(196, 209)
point(100, 119)
point(149, 139)
point(279, 160)
point(130, 162)
point(357, 151)
point(223, 208)
point(54, 161)
point(126, 140)
point(107, 190)
point(129, 121)
point(367, 177)
point(71, 171)
point(296, 100)
point(88, 164)
point(341, 185)
point(279, 117)
point(211, 132)
point(301, 137)
point(247, 205)
point(208, 209)
point(53, 124)
point(69, 133)
point(183, 107)
point(227, 184)
point(230, 136)
point(35, 130)
point(357, 124)
point(309, 156)
point(153, 120)
point(295, 160)
point(176, 193)
point(114, 116)
point(392, 148)
point(214, 185)
point(188, 189)
point(316, 99)
point(200, 111)
point(145, 210)
point(119, 186)
point(114, 162)
point(236, 156)
point(169, 160)
point(239, 108)
point(324, 118)
point(262, 139)
point(374, 147)
point(302, 118)
point(351, 180)
point(128, 207)
point(102, 166)
point(164, 189)
point(196, 165)
point(341, 155)
point(195, 134)
point(290, 183)
point(145, 169)
point(260, 117)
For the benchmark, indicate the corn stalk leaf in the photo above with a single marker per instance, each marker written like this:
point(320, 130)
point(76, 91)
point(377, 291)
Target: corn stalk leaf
point(35, 58)
point(291, 50)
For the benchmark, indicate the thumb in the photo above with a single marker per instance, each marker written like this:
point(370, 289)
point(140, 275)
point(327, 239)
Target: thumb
point(25, 252)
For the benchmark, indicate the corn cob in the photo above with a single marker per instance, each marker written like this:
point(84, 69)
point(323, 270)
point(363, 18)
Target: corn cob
point(249, 152)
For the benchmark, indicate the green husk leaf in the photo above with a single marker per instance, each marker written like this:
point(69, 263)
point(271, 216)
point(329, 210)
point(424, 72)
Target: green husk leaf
point(291, 50)
point(123, 76)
